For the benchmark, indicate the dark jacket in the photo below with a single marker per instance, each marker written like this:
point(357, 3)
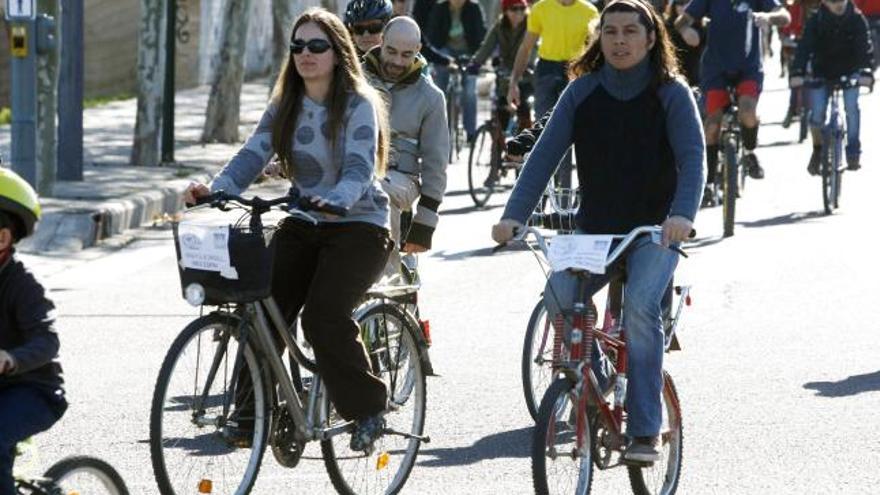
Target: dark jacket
point(471, 19)
point(27, 320)
point(837, 45)
point(688, 56)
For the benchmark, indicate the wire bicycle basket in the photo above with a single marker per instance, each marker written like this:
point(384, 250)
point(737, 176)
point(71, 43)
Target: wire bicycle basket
point(223, 264)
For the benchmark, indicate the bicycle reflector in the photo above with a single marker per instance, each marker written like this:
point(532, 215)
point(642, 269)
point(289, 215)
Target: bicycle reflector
point(195, 295)
point(426, 330)
point(382, 461)
point(206, 486)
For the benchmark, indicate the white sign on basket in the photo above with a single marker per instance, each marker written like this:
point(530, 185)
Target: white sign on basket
point(583, 252)
point(204, 247)
point(20, 9)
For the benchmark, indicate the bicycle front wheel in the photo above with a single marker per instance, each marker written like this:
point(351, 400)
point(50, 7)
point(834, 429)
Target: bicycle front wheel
point(662, 477)
point(392, 345)
point(482, 164)
point(562, 460)
point(83, 474)
point(731, 183)
point(537, 358)
point(200, 393)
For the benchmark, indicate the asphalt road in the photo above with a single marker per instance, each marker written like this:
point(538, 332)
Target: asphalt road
point(779, 375)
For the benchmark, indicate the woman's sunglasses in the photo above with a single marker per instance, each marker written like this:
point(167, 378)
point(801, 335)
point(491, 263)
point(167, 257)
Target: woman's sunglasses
point(519, 9)
point(372, 28)
point(316, 45)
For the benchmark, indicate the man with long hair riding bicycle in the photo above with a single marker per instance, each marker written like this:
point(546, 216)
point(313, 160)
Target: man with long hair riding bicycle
point(329, 129)
point(419, 140)
point(836, 43)
point(637, 134)
point(31, 393)
point(733, 59)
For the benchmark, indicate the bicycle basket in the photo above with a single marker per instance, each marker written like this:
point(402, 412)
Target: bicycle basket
point(237, 268)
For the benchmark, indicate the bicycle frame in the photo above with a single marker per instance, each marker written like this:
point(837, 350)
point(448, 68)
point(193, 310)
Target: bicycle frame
point(577, 365)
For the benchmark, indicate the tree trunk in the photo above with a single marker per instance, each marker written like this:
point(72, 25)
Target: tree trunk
point(150, 75)
point(222, 117)
point(284, 12)
point(47, 103)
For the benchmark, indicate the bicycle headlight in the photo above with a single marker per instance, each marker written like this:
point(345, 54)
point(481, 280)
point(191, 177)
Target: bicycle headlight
point(194, 294)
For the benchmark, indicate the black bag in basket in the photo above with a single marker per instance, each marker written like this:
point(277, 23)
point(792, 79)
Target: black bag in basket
point(251, 257)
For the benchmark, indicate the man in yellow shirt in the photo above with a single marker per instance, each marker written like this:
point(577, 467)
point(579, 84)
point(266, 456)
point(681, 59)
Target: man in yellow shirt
point(564, 28)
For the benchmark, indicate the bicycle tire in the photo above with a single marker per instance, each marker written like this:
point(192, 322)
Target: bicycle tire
point(550, 413)
point(481, 163)
point(71, 467)
point(339, 460)
point(730, 178)
point(195, 446)
point(837, 172)
point(532, 393)
point(662, 478)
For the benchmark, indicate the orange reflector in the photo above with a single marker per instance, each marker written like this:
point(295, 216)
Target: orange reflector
point(206, 486)
point(382, 461)
point(687, 300)
point(426, 330)
point(73, 493)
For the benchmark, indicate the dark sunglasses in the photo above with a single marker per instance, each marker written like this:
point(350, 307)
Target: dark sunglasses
point(372, 28)
point(836, 1)
point(518, 8)
point(316, 45)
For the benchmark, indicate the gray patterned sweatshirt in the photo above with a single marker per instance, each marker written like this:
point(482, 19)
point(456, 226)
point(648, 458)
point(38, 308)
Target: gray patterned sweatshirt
point(346, 178)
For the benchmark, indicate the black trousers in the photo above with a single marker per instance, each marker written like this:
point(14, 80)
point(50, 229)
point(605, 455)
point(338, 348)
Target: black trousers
point(324, 271)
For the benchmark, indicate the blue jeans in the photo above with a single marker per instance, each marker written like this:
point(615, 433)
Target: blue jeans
point(468, 98)
point(649, 271)
point(550, 80)
point(819, 106)
point(24, 412)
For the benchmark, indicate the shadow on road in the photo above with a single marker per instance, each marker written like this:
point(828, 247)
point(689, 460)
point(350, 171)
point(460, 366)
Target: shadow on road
point(469, 209)
point(504, 445)
point(476, 253)
point(786, 219)
point(776, 144)
point(853, 385)
point(702, 242)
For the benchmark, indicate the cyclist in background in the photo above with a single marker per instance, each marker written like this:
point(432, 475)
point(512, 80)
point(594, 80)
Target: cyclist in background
point(506, 36)
point(419, 137)
point(837, 43)
point(689, 43)
point(328, 127)
point(563, 27)
point(625, 90)
point(871, 10)
point(457, 28)
point(733, 58)
point(366, 19)
point(31, 393)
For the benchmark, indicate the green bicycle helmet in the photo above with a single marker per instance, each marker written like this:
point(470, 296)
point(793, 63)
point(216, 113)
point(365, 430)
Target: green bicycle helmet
point(19, 201)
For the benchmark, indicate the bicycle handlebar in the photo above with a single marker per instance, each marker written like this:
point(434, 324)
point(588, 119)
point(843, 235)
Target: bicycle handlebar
point(293, 201)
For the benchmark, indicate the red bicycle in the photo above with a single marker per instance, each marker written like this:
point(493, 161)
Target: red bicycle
point(580, 423)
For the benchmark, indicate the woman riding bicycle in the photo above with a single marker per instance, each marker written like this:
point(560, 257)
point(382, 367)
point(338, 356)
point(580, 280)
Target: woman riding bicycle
point(329, 130)
point(506, 35)
point(639, 144)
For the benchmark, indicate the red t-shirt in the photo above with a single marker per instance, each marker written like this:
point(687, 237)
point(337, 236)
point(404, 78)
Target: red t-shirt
point(869, 7)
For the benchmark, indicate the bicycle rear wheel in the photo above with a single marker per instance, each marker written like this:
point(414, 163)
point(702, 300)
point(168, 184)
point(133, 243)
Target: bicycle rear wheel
point(190, 447)
point(662, 477)
point(537, 358)
point(87, 475)
point(731, 183)
point(562, 459)
point(482, 163)
point(392, 345)
point(454, 123)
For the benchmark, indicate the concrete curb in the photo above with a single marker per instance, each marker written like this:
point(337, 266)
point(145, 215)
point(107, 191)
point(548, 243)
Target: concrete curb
point(74, 229)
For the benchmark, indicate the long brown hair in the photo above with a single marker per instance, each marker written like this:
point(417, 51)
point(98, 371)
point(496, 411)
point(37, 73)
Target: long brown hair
point(664, 64)
point(347, 81)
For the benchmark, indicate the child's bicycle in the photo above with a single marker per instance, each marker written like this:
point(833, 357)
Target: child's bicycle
point(580, 422)
point(74, 475)
point(224, 374)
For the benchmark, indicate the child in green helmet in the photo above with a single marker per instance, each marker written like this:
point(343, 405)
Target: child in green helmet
point(31, 393)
